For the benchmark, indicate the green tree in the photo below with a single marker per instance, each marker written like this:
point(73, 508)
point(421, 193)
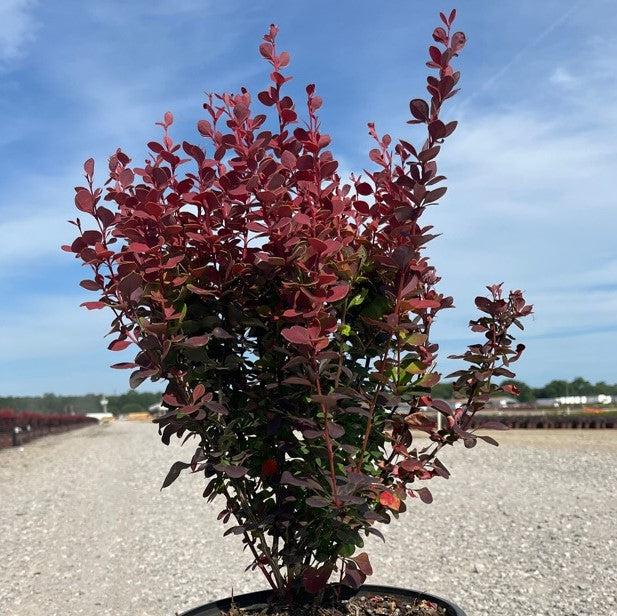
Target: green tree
point(554, 389)
point(443, 391)
point(132, 407)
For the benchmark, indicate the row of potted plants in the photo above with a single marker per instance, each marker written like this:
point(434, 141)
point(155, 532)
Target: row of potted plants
point(17, 427)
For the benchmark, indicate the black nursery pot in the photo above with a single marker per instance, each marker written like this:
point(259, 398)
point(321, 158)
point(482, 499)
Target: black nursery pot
point(260, 599)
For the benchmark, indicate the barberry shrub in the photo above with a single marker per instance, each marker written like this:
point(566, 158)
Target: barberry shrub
point(289, 312)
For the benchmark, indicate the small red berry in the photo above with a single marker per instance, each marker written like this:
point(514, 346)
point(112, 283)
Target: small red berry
point(269, 467)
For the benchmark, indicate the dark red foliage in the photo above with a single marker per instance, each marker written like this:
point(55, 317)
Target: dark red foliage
point(289, 311)
point(10, 419)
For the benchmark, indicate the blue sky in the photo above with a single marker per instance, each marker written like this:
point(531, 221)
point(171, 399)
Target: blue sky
point(531, 168)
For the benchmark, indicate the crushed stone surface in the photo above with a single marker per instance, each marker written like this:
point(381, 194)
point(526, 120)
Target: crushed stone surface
point(526, 529)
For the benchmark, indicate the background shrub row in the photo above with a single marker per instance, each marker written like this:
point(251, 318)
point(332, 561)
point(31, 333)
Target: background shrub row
point(575, 421)
point(33, 425)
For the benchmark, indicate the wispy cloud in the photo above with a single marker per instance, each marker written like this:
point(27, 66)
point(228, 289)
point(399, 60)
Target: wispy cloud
point(559, 20)
point(17, 28)
point(51, 344)
point(562, 77)
point(531, 203)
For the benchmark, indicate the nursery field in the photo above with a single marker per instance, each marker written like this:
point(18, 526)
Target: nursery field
point(529, 528)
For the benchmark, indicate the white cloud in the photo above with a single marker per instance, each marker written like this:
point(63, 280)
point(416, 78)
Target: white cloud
point(17, 27)
point(34, 224)
point(51, 326)
point(31, 238)
point(531, 203)
point(562, 77)
point(52, 344)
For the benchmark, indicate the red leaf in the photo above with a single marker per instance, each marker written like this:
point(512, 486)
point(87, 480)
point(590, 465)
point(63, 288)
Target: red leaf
point(219, 332)
point(288, 159)
point(174, 473)
point(458, 41)
point(257, 227)
point(126, 177)
point(204, 127)
point(289, 115)
point(283, 59)
point(411, 464)
point(484, 304)
point(84, 201)
point(425, 495)
point(297, 335)
point(119, 345)
point(437, 129)
point(297, 380)
point(315, 580)
point(94, 305)
point(265, 98)
point(89, 167)
point(90, 285)
point(266, 50)
point(123, 365)
point(353, 577)
point(512, 389)
point(241, 112)
point(338, 293)
point(171, 400)
point(231, 470)
point(419, 109)
point(433, 195)
point(196, 341)
point(389, 500)
point(363, 562)
point(138, 247)
point(440, 35)
point(364, 188)
point(435, 54)
point(419, 304)
point(335, 430)
point(442, 406)
point(198, 392)
point(302, 219)
point(488, 439)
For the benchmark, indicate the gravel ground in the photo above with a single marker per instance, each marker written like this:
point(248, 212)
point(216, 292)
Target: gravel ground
point(528, 528)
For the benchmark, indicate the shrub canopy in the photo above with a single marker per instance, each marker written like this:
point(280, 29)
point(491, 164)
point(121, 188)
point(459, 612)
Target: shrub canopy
point(289, 310)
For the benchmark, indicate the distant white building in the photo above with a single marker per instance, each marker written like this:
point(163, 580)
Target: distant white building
point(547, 402)
point(101, 417)
point(502, 402)
point(599, 399)
point(157, 409)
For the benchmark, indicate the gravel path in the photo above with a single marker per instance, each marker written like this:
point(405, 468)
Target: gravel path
point(526, 529)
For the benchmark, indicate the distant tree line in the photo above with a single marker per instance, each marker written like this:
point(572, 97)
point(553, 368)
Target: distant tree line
point(133, 401)
point(129, 402)
point(555, 389)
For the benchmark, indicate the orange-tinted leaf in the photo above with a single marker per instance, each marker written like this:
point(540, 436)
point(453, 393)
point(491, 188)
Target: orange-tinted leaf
point(389, 500)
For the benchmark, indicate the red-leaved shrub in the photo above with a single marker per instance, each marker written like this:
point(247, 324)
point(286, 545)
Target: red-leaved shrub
point(289, 311)
point(10, 419)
